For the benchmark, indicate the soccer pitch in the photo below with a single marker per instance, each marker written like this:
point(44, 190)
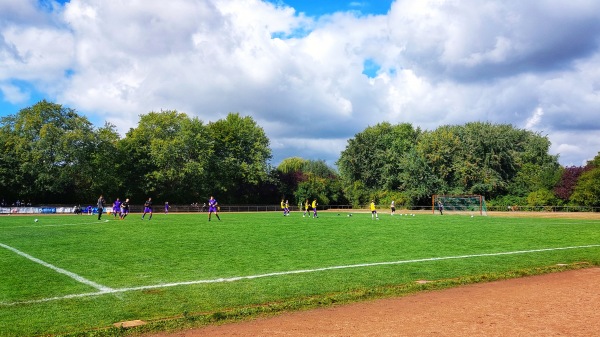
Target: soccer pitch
point(69, 273)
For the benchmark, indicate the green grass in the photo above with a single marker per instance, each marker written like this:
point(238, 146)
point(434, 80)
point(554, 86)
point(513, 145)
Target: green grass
point(178, 248)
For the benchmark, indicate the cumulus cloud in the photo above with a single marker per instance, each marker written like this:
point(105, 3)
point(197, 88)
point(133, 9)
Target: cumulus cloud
point(532, 64)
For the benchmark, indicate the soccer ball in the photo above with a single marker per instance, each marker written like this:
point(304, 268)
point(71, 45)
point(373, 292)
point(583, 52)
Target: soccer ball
point(36, 220)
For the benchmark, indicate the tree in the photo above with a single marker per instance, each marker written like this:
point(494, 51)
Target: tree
point(166, 156)
point(47, 150)
point(373, 156)
point(318, 180)
point(587, 190)
point(568, 180)
point(239, 163)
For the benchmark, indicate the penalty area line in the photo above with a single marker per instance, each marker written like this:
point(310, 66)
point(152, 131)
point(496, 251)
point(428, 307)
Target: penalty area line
point(72, 275)
point(106, 290)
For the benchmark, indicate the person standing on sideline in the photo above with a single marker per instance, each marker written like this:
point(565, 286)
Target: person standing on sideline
point(440, 207)
point(100, 206)
point(147, 209)
point(167, 207)
point(393, 207)
point(314, 207)
point(213, 207)
point(373, 211)
point(116, 208)
point(124, 209)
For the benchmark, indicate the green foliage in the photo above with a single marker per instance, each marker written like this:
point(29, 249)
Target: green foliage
point(541, 197)
point(240, 157)
point(587, 190)
point(475, 158)
point(315, 179)
point(186, 248)
point(166, 157)
point(50, 152)
point(373, 156)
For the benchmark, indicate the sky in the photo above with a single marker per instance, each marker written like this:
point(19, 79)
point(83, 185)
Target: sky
point(313, 74)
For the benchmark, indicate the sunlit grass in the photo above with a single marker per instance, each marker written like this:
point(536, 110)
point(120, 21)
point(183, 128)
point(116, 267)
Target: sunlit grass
point(278, 260)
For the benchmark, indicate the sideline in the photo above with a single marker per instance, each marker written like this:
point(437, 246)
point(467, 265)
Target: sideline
point(106, 290)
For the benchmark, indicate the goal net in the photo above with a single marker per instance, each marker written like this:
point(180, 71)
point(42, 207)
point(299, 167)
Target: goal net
point(459, 204)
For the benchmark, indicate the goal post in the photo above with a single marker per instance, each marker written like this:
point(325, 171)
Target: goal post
point(458, 204)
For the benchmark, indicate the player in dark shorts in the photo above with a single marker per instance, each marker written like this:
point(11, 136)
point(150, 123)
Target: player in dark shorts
point(213, 207)
point(147, 209)
point(124, 209)
point(100, 207)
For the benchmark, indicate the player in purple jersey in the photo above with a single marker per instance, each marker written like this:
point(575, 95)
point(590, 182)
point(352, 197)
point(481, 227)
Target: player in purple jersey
point(147, 208)
point(213, 207)
point(167, 207)
point(116, 208)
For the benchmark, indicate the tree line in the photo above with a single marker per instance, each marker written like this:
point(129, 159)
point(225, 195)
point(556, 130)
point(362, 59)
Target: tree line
point(51, 154)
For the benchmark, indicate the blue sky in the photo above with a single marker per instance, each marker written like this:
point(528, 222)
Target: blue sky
point(313, 73)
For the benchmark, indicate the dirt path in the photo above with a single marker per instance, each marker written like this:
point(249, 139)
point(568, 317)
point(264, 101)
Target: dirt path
point(560, 304)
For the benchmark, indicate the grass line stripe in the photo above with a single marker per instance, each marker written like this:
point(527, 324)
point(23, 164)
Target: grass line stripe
point(72, 275)
point(105, 290)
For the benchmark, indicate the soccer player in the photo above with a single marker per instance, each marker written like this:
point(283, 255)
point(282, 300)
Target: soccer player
point(167, 207)
point(287, 208)
point(393, 207)
point(440, 207)
point(314, 207)
point(373, 211)
point(124, 209)
point(306, 208)
point(283, 207)
point(213, 207)
point(116, 208)
point(100, 206)
point(147, 209)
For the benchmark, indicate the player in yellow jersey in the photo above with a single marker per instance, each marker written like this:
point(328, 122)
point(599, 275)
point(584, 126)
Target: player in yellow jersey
point(314, 207)
point(373, 211)
point(306, 208)
point(283, 207)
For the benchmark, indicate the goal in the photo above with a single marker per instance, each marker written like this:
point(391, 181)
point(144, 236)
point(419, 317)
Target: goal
point(459, 204)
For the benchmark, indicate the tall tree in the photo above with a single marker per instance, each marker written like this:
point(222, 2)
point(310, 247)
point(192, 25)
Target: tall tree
point(47, 148)
point(239, 163)
point(372, 156)
point(166, 157)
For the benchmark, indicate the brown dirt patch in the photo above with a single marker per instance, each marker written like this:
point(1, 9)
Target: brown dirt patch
point(559, 304)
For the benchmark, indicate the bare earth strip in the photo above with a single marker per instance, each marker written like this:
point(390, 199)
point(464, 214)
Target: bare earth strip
point(559, 304)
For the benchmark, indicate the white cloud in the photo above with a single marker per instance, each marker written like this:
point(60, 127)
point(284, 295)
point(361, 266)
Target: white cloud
point(439, 62)
point(13, 94)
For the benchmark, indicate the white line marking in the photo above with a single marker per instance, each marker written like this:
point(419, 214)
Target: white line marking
point(292, 272)
point(59, 270)
point(61, 225)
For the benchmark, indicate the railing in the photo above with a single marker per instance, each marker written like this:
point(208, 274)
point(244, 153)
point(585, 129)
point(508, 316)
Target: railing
point(62, 209)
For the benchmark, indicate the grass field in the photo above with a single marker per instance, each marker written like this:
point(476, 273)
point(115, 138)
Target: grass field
point(73, 275)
